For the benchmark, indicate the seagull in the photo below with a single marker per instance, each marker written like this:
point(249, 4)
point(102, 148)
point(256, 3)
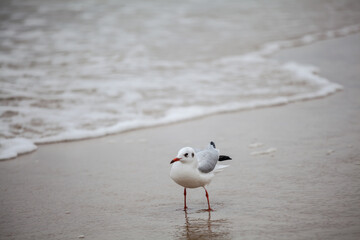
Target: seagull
point(194, 168)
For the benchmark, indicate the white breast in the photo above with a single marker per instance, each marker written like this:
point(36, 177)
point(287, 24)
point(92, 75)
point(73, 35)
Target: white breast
point(188, 176)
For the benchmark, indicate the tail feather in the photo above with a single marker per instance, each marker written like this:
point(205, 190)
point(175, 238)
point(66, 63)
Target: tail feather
point(219, 168)
point(224, 158)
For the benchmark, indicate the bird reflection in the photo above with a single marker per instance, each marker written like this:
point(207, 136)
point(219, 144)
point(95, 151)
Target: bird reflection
point(198, 228)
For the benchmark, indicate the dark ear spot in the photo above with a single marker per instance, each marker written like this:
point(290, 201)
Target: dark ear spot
point(192, 154)
point(186, 154)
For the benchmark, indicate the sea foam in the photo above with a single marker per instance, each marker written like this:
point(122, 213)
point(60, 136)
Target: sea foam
point(53, 112)
point(11, 148)
point(94, 74)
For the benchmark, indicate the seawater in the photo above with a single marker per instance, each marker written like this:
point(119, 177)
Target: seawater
point(79, 69)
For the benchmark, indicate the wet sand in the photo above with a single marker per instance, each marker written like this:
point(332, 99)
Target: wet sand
point(118, 187)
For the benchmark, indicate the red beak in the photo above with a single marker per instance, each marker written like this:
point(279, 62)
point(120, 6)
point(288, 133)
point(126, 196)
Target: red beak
point(175, 160)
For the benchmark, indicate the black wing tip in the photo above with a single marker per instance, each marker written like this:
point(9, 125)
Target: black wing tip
point(224, 158)
point(213, 144)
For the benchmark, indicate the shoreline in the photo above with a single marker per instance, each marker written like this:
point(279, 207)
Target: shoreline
point(24, 146)
point(118, 186)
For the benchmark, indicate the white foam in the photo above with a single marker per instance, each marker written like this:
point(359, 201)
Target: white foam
point(264, 152)
point(71, 82)
point(273, 47)
point(11, 148)
point(256, 145)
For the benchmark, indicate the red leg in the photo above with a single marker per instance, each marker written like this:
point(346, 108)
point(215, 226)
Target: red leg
point(185, 207)
point(207, 197)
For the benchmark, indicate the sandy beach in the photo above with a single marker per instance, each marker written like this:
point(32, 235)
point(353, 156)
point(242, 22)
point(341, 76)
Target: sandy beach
point(118, 187)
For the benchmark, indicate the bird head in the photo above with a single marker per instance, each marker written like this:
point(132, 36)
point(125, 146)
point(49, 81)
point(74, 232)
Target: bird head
point(185, 155)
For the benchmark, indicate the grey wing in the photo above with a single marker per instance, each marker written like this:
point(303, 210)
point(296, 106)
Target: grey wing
point(207, 159)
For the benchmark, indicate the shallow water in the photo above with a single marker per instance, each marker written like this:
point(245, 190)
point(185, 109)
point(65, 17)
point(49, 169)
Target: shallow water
point(74, 70)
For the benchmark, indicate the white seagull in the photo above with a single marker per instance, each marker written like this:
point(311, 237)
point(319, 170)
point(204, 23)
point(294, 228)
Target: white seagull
point(195, 168)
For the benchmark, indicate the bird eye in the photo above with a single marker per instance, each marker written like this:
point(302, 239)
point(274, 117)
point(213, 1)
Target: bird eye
point(186, 154)
point(192, 154)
